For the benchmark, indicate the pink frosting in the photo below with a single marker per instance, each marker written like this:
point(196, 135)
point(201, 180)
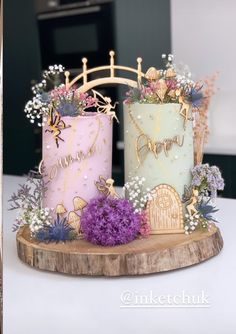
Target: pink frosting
point(91, 133)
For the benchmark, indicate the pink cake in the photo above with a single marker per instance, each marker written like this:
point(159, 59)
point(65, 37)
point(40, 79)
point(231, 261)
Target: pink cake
point(84, 154)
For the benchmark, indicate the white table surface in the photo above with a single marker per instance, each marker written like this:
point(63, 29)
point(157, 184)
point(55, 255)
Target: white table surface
point(37, 302)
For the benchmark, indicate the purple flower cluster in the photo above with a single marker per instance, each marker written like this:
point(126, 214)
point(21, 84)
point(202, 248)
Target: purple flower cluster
point(110, 221)
point(207, 179)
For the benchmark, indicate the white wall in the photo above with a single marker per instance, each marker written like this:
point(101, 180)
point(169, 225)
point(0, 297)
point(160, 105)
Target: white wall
point(203, 36)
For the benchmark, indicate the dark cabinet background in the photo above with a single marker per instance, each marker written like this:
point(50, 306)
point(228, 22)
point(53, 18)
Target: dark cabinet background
point(21, 64)
point(140, 30)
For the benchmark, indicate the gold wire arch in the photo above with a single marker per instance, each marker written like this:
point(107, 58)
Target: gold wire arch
point(111, 79)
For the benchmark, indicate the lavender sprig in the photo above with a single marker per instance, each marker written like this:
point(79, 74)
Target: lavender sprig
point(207, 180)
point(28, 199)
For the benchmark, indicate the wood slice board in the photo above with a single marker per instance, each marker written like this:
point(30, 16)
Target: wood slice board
point(154, 254)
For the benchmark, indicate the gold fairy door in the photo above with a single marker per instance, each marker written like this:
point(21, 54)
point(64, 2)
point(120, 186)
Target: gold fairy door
point(165, 211)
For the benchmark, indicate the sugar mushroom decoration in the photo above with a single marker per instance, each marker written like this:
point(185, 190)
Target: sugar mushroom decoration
point(79, 203)
point(60, 209)
point(73, 217)
point(170, 73)
point(152, 74)
point(74, 220)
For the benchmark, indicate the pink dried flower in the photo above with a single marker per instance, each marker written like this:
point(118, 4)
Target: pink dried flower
point(62, 93)
point(87, 100)
point(145, 228)
point(153, 86)
point(171, 84)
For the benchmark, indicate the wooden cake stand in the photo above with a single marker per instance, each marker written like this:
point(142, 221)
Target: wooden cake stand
point(154, 254)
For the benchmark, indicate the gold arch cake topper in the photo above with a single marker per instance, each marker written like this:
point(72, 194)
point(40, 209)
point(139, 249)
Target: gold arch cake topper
point(111, 79)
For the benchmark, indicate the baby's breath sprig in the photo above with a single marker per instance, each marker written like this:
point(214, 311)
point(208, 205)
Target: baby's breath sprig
point(137, 193)
point(196, 221)
point(37, 109)
point(167, 59)
point(39, 88)
point(53, 70)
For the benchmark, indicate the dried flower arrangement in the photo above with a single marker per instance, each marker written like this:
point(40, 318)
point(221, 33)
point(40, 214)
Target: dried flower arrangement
point(200, 126)
point(206, 181)
point(28, 199)
point(52, 93)
point(171, 85)
point(109, 220)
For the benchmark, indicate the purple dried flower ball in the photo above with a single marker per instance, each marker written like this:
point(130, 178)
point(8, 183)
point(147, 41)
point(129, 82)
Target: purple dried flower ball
point(110, 221)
